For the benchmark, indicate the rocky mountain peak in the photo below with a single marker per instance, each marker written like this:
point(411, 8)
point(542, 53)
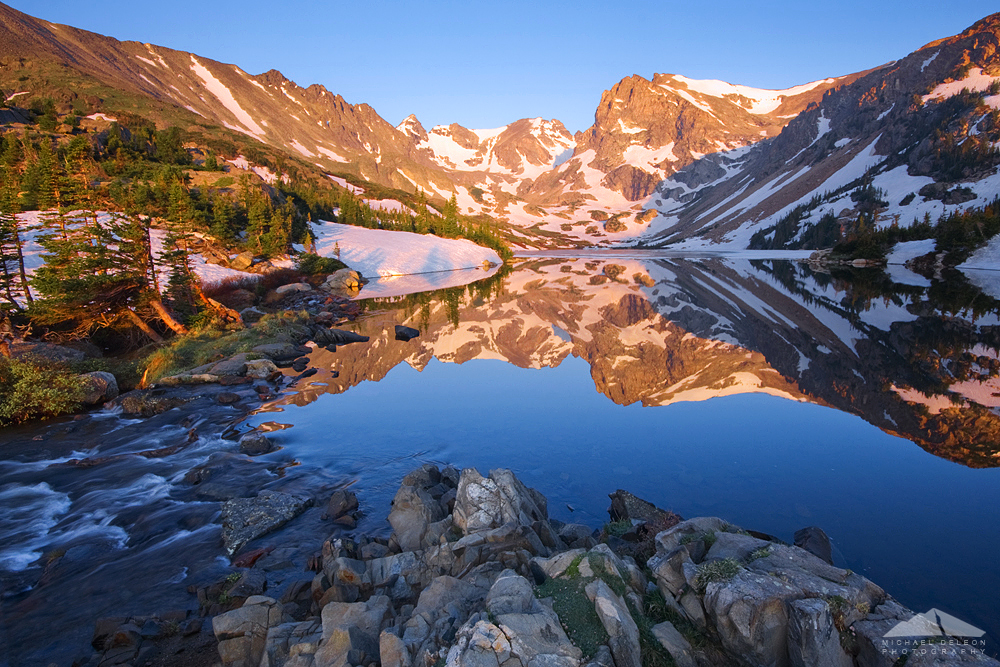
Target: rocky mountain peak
point(411, 127)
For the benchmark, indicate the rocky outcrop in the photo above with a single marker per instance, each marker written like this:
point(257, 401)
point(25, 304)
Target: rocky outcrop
point(242, 633)
point(466, 581)
point(500, 499)
point(345, 282)
point(99, 387)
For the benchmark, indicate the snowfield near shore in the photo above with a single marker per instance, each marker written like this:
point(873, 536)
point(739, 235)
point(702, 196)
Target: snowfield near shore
point(381, 253)
point(983, 268)
point(388, 258)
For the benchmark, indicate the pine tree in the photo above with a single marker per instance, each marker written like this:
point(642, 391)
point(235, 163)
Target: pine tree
point(258, 222)
point(8, 262)
point(223, 219)
point(449, 223)
point(10, 206)
point(179, 293)
point(97, 273)
point(275, 240)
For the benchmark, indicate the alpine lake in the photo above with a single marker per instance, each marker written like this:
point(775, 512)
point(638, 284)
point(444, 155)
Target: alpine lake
point(766, 392)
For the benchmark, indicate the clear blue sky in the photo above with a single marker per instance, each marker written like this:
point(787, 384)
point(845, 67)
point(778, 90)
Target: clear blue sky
point(486, 64)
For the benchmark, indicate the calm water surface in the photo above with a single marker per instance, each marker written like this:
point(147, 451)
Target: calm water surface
point(757, 391)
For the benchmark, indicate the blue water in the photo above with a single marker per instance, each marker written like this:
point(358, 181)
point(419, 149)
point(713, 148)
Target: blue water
point(920, 526)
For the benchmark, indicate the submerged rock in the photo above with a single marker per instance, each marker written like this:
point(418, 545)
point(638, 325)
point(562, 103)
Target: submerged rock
point(148, 402)
point(255, 444)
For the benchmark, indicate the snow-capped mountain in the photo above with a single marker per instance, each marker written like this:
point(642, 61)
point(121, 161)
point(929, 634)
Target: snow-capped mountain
point(668, 159)
point(906, 129)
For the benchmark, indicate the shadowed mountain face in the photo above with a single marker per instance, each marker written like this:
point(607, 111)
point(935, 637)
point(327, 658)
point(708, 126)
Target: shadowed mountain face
point(657, 332)
point(668, 159)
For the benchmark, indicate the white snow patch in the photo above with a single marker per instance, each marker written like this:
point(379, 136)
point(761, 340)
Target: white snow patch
point(983, 268)
point(390, 205)
point(628, 129)
point(379, 252)
point(929, 60)
point(332, 155)
point(976, 81)
point(647, 158)
point(761, 101)
point(886, 112)
point(104, 117)
point(907, 250)
point(265, 174)
point(822, 126)
point(902, 253)
point(347, 186)
point(209, 273)
point(485, 135)
point(300, 148)
point(225, 96)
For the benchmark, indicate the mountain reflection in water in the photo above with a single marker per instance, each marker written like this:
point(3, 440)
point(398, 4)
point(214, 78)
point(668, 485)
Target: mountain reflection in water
point(664, 331)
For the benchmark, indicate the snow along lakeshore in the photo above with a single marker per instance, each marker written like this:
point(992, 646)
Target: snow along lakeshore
point(382, 253)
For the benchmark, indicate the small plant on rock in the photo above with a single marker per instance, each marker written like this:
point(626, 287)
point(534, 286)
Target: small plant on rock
point(717, 570)
point(617, 528)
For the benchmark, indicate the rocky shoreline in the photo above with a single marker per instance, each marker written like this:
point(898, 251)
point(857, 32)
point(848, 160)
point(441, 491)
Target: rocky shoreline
point(475, 574)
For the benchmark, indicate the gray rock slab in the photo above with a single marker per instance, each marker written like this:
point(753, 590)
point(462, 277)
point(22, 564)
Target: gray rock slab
point(674, 642)
point(246, 519)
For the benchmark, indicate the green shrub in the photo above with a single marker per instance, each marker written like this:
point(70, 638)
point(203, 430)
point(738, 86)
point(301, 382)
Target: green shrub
point(311, 264)
point(617, 528)
point(201, 347)
point(36, 389)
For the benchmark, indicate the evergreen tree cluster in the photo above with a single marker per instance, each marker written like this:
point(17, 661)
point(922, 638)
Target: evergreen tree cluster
point(100, 271)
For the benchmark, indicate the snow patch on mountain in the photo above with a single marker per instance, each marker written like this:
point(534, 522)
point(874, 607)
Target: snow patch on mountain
point(486, 135)
point(977, 81)
point(265, 174)
point(761, 101)
point(224, 95)
point(300, 148)
point(629, 129)
point(446, 151)
point(929, 60)
point(336, 157)
point(350, 187)
point(647, 159)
